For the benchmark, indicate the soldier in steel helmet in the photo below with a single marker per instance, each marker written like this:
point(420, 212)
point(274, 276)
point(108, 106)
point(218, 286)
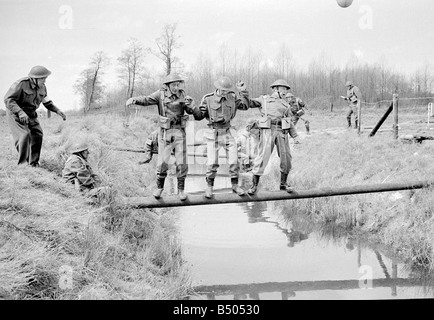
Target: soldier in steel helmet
point(274, 126)
point(219, 108)
point(297, 109)
point(22, 100)
point(78, 171)
point(354, 98)
point(174, 106)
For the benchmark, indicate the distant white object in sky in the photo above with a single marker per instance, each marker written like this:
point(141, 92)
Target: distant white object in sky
point(344, 3)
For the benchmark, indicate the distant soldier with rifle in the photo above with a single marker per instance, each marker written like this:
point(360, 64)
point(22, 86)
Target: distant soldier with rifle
point(174, 106)
point(219, 108)
point(297, 108)
point(354, 98)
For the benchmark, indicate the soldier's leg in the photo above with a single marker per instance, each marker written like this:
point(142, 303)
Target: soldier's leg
point(265, 149)
point(307, 125)
point(36, 136)
point(21, 135)
point(181, 161)
point(349, 113)
point(165, 147)
point(285, 160)
point(212, 153)
point(231, 150)
point(356, 117)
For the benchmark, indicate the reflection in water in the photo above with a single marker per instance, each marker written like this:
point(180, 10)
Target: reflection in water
point(270, 271)
point(255, 213)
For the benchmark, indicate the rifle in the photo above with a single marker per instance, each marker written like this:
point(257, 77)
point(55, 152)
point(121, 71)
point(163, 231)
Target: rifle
point(415, 138)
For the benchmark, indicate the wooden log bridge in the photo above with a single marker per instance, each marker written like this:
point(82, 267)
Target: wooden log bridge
point(222, 198)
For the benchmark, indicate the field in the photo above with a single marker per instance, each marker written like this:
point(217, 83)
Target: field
point(55, 244)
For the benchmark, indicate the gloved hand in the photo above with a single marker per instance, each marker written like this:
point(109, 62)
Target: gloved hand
point(60, 113)
point(202, 108)
point(189, 101)
point(130, 101)
point(24, 118)
point(147, 159)
point(241, 86)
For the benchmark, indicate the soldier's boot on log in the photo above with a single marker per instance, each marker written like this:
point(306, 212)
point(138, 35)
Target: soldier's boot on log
point(236, 188)
point(181, 185)
point(254, 187)
point(160, 186)
point(284, 185)
point(208, 190)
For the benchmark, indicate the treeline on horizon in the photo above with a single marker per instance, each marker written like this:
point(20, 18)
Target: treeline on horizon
point(321, 82)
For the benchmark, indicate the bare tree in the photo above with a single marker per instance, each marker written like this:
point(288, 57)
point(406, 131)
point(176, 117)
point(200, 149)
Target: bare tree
point(167, 43)
point(89, 83)
point(131, 64)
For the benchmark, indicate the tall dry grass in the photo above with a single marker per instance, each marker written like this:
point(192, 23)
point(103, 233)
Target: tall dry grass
point(56, 244)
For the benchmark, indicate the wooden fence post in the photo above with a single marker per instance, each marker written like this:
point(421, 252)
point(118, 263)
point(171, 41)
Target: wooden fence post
point(395, 115)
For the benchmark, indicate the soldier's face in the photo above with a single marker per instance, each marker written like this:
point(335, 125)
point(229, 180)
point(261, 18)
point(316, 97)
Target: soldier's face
point(174, 87)
point(41, 81)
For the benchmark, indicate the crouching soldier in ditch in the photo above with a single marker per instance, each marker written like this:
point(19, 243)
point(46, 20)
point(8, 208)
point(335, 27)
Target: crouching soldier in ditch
point(151, 147)
point(219, 108)
point(274, 127)
point(174, 106)
point(78, 171)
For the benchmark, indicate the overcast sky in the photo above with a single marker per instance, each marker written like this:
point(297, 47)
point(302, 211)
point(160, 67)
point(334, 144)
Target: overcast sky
point(63, 35)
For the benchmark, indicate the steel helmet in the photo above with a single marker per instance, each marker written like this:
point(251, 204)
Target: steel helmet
point(80, 147)
point(349, 83)
point(281, 83)
point(39, 72)
point(173, 77)
point(224, 83)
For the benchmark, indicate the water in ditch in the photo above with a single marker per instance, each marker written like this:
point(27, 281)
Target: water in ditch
point(253, 251)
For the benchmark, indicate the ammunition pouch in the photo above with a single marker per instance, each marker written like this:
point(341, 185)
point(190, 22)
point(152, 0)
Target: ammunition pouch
point(353, 99)
point(286, 123)
point(164, 122)
point(264, 122)
point(184, 120)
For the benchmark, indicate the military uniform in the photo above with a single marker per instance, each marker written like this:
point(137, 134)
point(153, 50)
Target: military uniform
point(297, 109)
point(172, 109)
point(247, 143)
point(76, 167)
point(219, 111)
point(24, 97)
point(354, 98)
point(276, 109)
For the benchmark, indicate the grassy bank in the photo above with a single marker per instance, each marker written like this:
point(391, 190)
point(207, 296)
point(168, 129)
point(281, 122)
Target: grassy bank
point(56, 245)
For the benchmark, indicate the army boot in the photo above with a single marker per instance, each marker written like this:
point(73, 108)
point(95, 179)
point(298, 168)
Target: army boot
point(160, 186)
point(236, 188)
point(208, 190)
point(254, 187)
point(284, 185)
point(181, 185)
point(349, 122)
